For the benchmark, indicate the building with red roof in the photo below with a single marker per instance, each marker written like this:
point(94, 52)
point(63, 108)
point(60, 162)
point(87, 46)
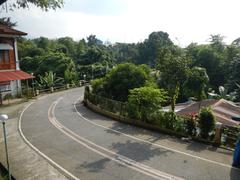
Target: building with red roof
point(224, 111)
point(10, 73)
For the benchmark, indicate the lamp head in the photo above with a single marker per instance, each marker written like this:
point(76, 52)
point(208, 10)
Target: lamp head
point(3, 117)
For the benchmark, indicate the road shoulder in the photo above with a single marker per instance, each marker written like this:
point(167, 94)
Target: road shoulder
point(25, 163)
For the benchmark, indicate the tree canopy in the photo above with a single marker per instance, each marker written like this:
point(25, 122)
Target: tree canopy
point(196, 83)
point(120, 80)
point(43, 4)
point(175, 68)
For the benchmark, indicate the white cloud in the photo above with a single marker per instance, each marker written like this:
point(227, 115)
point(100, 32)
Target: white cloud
point(186, 20)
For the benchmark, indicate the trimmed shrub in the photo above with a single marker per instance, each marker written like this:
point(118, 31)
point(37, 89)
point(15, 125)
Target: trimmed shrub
point(206, 122)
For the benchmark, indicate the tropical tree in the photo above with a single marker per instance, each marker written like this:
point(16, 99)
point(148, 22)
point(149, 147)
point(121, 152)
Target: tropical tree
point(28, 48)
point(49, 80)
point(238, 93)
point(42, 42)
point(93, 41)
point(144, 101)
point(235, 73)
point(125, 52)
point(217, 42)
point(58, 63)
point(173, 73)
point(223, 94)
point(149, 49)
point(55, 62)
point(196, 83)
point(69, 44)
point(7, 22)
point(95, 54)
point(121, 79)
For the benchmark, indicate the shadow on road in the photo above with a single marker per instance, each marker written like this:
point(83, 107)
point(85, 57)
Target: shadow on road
point(234, 174)
point(96, 166)
point(150, 136)
point(137, 151)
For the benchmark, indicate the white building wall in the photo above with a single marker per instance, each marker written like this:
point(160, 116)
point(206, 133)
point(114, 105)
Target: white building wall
point(16, 54)
point(14, 89)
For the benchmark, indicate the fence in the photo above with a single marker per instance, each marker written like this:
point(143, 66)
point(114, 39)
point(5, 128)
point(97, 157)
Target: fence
point(227, 136)
point(30, 92)
point(230, 136)
point(116, 107)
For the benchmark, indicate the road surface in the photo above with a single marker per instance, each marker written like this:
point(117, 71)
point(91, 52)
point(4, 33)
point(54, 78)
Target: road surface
point(89, 146)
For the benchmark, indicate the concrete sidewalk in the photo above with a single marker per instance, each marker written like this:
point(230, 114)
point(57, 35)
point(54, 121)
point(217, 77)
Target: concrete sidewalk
point(25, 163)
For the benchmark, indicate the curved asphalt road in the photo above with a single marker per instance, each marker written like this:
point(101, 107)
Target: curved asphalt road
point(72, 136)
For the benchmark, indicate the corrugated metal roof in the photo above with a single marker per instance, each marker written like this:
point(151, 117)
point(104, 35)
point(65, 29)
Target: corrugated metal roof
point(222, 109)
point(14, 75)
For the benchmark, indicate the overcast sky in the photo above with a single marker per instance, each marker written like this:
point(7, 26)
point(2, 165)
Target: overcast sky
point(185, 21)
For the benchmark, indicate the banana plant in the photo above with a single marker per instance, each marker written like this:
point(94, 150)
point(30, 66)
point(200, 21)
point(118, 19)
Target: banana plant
point(49, 80)
point(223, 94)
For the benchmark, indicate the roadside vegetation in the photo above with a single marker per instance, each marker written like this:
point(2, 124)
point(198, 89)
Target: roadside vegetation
point(196, 71)
point(145, 75)
point(133, 91)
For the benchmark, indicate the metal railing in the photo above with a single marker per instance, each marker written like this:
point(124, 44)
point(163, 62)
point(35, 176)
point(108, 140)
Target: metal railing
point(228, 135)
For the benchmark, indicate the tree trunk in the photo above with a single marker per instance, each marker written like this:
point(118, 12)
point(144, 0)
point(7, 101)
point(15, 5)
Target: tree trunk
point(174, 98)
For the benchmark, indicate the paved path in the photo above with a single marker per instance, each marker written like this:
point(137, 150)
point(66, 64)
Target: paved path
point(25, 163)
point(90, 146)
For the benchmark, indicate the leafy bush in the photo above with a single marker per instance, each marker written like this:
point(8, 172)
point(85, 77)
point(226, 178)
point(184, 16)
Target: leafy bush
point(190, 125)
point(144, 101)
point(164, 120)
point(206, 122)
point(167, 120)
point(178, 124)
point(98, 86)
point(120, 80)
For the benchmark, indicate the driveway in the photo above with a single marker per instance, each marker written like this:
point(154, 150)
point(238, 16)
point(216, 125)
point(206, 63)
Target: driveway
point(89, 146)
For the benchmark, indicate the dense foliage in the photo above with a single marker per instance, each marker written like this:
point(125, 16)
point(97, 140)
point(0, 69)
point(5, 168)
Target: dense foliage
point(193, 71)
point(43, 4)
point(196, 83)
point(206, 122)
point(68, 59)
point(144, 101)
point(120, 80)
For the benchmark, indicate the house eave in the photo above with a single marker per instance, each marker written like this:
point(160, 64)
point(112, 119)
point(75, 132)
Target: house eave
point(10, 36)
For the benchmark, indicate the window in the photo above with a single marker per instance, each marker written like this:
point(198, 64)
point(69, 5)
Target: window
point(7, 57)
point(4, 57)
point(1, 56)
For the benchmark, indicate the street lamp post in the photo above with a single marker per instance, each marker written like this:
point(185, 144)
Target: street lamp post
point(84, 78)
point(3, 119)
point(33, 84)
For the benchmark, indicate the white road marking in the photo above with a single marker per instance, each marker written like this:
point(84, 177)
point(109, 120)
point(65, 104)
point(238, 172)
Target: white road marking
point(38, 151)
point(154, 144)
point(118, 158)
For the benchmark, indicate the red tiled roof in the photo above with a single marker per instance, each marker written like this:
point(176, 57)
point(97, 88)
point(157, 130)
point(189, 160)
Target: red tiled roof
point(5, 30)
point(14, 75)
point(194, 108)
point(222, 109)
